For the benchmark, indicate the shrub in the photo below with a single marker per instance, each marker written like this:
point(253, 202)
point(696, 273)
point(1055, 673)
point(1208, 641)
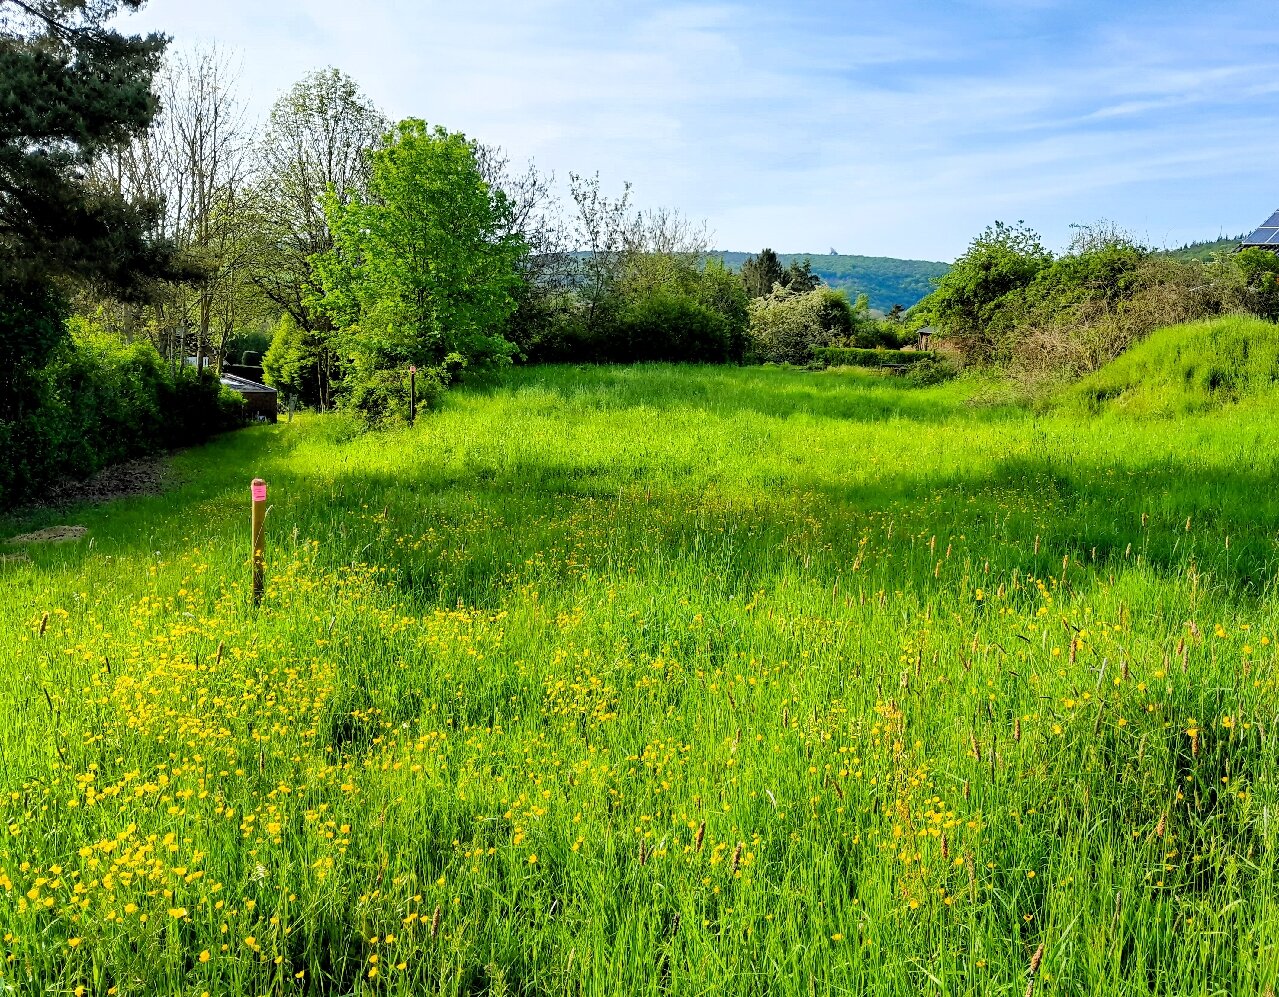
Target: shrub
point(97, 401)
point(671, 328)
point(381, 396)
point(302, 363)
point(787, 327)
point(969, 305)
point(935, 370)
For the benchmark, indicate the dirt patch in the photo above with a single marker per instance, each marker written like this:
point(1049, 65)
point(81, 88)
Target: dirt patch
point(51, 535)
point(147, 476)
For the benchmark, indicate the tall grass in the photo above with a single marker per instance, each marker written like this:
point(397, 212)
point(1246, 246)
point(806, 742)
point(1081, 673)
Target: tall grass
point(656, 680)
point(1188, 368)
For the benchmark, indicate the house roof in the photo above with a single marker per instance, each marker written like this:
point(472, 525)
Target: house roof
point(245, 386)
point(1267, 234)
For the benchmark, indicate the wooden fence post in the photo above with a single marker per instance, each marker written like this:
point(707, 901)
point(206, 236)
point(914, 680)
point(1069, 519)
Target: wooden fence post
point(259, 537)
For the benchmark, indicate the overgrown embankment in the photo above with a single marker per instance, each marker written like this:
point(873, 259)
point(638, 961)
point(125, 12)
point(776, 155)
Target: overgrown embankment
point(1186, 368)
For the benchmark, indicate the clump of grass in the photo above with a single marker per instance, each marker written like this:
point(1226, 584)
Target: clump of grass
point(1187, 368)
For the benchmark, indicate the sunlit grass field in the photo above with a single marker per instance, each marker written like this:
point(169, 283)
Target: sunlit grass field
point(659, 680)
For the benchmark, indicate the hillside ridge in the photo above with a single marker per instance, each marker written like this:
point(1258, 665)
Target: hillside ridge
point(885, 280)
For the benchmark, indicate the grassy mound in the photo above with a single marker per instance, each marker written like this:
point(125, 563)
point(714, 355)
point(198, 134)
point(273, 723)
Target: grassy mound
point(1187, 368)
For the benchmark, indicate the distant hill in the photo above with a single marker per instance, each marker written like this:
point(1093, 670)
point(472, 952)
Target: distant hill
point(885, 280)
point(1204, 250)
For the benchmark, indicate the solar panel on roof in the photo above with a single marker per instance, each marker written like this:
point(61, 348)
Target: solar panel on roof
point(1267, 235)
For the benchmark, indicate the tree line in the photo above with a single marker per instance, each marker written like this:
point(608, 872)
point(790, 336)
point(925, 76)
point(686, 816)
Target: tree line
point(146, 221)
point(1044, 318)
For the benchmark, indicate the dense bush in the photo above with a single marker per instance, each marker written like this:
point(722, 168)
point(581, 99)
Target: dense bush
point(673, 328)
point(97, 401)
point(1046, 320)
point(786, 327)
point(663, 307)
point(970, 302)
point(302, 363)
point(936, 369)
point(382, 395)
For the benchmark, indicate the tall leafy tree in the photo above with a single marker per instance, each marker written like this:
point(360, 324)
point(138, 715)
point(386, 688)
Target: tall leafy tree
point(422, 266)
point(967, 304)
point(319, 138)
point(760, 273)
point(71, 87)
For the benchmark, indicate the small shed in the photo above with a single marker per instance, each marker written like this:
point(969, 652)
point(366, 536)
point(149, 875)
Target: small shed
point(260, 400)
point(1266, 236)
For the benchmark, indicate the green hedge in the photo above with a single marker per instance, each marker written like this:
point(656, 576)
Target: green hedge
point(844, 356)
point(97, 401)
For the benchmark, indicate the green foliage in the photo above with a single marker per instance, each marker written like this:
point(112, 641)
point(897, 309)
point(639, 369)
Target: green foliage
point(800, 278)
point(419, 268)
point(661, 306)
point(72, 87)
point(761, 273)
point(98, 401)
point(1045, 321)
point(721, 290)
point(301, 362)
point(968, 305)
point(381, 396)
point(669, 327)
point(935, 370)
point(319, 135)
point(1187, 368)
point(1255, 274)
point(850, 356)
point(33, 317)
point(786, 325)
point(252, 343)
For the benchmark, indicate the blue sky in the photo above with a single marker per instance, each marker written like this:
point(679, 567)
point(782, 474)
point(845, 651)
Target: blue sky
point(882, 128)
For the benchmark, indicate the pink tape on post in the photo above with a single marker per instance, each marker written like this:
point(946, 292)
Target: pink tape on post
point(259, 492)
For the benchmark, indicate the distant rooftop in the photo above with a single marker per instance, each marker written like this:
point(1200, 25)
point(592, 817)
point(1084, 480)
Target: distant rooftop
point(1267, 234)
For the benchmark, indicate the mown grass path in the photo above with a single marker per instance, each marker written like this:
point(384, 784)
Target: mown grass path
point(658, 680)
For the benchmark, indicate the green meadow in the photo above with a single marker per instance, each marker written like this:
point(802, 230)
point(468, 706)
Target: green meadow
point(660, 680)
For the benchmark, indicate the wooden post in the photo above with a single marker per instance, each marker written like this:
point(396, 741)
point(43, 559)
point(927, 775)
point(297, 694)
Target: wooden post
point(259, 537)
point(412, 395)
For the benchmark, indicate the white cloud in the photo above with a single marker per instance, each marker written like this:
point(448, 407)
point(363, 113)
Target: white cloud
point(893, 128)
